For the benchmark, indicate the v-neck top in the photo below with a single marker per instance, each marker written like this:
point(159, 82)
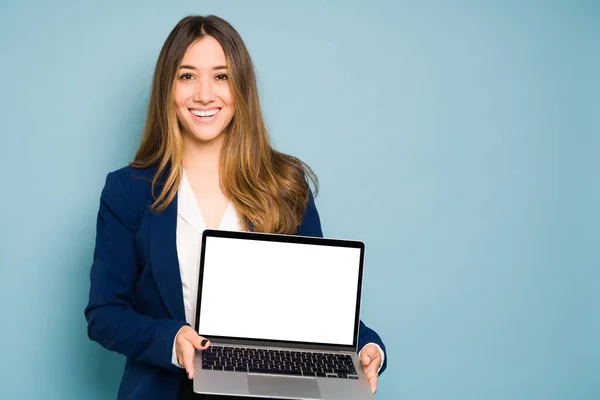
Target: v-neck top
point(190, 225)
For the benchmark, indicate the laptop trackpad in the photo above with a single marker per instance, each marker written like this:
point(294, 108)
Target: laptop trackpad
point(268, 385)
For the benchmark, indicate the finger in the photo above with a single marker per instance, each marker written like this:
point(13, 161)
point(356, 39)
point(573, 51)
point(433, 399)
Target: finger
point(179, 353)
point(365, 359)
point(372, 351)
point(188, 360)
point(200, 342)
point(196, 340)
point(375, 361)
point(373, 380)
point(371, 355)
point(372, 368)
point(372, 358)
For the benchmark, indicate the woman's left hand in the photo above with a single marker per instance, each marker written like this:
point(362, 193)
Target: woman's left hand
point(371, 361)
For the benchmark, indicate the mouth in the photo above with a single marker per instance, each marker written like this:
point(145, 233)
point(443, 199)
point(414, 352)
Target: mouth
point(205, 115)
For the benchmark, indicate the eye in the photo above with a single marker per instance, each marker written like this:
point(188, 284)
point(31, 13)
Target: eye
point(186, 77)
point(221, 77)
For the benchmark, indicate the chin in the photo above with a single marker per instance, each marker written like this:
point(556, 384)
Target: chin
point(205, 135)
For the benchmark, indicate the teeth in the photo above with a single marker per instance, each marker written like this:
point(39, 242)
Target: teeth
point(208, 113)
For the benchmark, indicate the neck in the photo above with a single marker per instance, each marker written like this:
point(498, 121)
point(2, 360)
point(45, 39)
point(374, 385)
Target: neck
point(202, 156)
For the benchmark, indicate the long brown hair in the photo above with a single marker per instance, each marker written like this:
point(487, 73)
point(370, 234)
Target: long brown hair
point(269, 189)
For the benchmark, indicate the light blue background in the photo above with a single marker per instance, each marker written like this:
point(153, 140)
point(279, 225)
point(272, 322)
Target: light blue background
point(459, 140)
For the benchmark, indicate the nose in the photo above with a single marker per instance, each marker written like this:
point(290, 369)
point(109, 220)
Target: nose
point(204, 92)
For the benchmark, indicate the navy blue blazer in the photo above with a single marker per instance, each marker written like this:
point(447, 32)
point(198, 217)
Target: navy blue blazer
point(136, 301)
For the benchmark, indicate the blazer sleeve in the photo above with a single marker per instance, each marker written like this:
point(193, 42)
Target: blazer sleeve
point(311, 226)
point(112, 321)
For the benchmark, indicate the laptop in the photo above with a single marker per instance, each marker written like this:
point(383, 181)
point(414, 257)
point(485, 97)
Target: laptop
point(282, 315)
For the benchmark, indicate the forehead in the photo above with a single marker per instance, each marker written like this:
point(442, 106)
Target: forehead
point(205, 53)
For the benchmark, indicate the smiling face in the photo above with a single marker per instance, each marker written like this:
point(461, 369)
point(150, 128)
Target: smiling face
point(202, 94)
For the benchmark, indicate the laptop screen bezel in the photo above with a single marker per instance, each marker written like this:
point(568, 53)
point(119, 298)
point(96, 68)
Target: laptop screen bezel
point(283, 239)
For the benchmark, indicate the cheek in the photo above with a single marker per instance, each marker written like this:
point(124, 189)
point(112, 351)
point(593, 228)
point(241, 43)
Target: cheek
point(227, 97)
point(179, 109)
point(180, 95)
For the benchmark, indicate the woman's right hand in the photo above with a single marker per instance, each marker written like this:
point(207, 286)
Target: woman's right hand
point(186, 343)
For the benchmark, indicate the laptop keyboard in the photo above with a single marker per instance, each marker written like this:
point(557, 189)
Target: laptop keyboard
point(280, 362)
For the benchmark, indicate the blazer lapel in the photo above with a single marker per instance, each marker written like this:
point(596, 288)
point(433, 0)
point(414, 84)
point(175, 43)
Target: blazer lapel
point(164, 260)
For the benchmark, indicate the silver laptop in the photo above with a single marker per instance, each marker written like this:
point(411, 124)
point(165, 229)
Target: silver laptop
point(282, 314)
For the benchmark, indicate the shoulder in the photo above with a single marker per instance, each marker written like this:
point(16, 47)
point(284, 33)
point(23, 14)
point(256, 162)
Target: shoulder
point(136, 182)
point(311, 222)
point(134, 177)
point(126, 193)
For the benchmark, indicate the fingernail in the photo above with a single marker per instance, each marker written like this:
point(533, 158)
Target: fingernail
point(203, 343)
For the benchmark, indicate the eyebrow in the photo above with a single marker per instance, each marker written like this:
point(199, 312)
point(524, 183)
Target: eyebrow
point(218, 67)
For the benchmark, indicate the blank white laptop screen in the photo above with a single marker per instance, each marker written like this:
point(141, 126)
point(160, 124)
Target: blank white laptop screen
point(279, 291)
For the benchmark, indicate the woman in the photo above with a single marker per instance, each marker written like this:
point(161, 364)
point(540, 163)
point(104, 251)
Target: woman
point(205, 161)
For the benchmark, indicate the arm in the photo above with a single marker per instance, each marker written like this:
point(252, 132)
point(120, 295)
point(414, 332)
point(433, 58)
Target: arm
point(112, 322)
point(311, 226)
